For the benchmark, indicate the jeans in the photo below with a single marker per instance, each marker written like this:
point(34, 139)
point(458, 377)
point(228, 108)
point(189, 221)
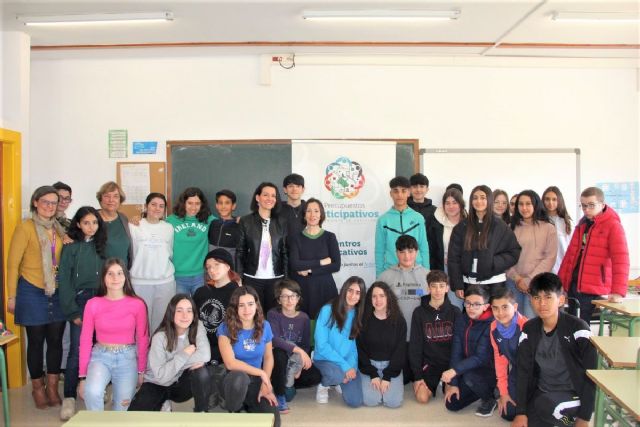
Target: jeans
point(523, 300)
point(118, 366)
point(333, 375)
point(71, 373)
point(393, 396)
point(241, 390)
point(189, 284)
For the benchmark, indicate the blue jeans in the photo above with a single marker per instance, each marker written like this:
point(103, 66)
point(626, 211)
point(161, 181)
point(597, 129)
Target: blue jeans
point(393, 396)
point(118, 366)
point(71, 373)
point(333, 375)
point(189, 284)
point(523, 300)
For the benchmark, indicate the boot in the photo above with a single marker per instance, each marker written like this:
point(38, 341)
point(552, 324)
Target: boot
point(52, 389)
point(39, 394)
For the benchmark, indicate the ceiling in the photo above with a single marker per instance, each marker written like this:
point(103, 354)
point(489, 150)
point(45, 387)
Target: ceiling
point(484, 28)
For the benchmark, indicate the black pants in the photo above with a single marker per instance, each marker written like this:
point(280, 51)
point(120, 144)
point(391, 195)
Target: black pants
point(241, 391)
point(264, 288)
point(308, 377)
point(36, 336)
point(582, 301)
point(466, 398)
point(556, 408)
point(195, 383)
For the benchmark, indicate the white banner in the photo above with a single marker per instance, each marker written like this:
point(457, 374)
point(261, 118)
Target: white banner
point(351, 178)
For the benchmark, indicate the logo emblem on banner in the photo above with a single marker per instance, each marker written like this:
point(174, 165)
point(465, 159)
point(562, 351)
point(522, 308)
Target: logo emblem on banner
point(344, 178)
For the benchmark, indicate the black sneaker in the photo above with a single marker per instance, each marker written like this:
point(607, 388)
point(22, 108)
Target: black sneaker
point(486, 408)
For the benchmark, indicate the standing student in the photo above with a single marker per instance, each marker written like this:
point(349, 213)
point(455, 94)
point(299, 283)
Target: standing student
point(539, 242)
point(472, 375)
point(178, 357)
point(190, 220)
point(597, 260)
point(261, 252)
point(314, 256)
point(110, 196)
point(553, 357)
point(482, 247)
point(245, 341)
point(381, 348)
point(556, 208)
point(432, 326)
point(398, 221)
point(79, 272)
point(336, 354)
point(64, 200)
point(501, 205)
point(118, 318)
point(293, 209)
point(439, 232)
point(512, 204)
point(224, 231)
point(291, 345)
point(152, 270)
point(505, 335)
point(418, 200)
point(32, 270)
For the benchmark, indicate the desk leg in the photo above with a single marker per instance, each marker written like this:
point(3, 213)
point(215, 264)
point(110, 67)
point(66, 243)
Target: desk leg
point(5, 392)
point(600, 414)
point(601, 329)
point(632, 326)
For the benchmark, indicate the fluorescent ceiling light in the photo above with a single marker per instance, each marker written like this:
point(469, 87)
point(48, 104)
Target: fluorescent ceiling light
point(596, 16)
point(381, 15)
point(95, 18)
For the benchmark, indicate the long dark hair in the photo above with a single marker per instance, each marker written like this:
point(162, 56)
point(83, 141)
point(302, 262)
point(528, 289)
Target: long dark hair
point(152, 196)
point(339, 307)
point(168, 325)
point(562, 207)
point(506, 217)
point(234, 324)
point(477, 234)
point(254, 204)
point(127, 289)
point(456, 195)
point(539, 214)
point(180, 208)
point(393, 309)
point(76, 234)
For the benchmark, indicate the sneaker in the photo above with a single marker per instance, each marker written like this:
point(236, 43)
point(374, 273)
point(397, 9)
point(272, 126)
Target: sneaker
point(166, 406)
point(283, 408)
point(338, 389)
point(68, 408)
point(322, 394)
point(486, 408)
point(290, 393)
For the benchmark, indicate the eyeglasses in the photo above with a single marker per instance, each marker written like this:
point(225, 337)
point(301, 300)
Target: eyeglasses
point(65, 199)
point(473, 304)
point(589, 205)
point(48, 203)
point(290, 297)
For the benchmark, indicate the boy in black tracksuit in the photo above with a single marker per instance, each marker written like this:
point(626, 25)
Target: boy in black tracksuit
point(431, 336)
point(553, 356)
point(224, 232)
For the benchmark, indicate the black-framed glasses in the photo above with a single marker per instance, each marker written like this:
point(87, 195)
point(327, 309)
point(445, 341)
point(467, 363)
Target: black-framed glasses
point(473, 304)
point(585, 206)
point(290, 297)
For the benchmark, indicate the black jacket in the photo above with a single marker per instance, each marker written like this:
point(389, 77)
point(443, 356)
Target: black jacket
point(426, 209)
point(248, 249)
point(579, 355)
point(502, 253)
point(435, 231)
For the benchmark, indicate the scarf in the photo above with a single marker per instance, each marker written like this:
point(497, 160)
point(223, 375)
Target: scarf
point(48, 250)
point(509, 331)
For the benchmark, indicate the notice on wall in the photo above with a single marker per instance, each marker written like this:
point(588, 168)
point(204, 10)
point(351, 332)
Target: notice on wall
point(136, 182)
point(621, 196)
point(118, 142)
point(144, 147)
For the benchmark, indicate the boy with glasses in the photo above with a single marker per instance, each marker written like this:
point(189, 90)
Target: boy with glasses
point(64, 200)
point(472, 375)
point(597, 260)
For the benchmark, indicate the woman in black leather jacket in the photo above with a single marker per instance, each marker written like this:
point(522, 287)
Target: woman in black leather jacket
point(262, 257)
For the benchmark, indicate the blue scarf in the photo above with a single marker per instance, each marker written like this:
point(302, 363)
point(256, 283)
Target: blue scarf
point(509, 331)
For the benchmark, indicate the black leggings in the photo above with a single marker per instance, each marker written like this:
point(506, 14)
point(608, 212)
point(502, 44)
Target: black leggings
point(36, 336)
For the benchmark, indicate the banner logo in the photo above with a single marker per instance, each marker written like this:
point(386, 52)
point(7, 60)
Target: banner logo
point(344, 178)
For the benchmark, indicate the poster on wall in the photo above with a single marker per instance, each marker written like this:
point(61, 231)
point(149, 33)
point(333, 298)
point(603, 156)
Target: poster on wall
point(621, 196)
point(351, 179)
point(118, 142)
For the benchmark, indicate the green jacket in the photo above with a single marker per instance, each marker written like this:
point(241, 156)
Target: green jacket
point(80, 267)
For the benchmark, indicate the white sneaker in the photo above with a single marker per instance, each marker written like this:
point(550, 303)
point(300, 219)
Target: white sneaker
point(338, 389)
point(322, 394)
point(166, 406)
point(68, 408)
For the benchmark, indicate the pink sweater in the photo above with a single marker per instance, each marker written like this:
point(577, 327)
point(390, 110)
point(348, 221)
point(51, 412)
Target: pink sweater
point(539, 244)
point(122, 321)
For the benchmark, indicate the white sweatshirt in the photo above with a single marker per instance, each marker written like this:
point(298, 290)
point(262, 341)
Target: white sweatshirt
point(152, 253)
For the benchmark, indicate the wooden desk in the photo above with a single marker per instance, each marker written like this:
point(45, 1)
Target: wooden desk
point(173, 419)
point(617, 352)
point(4, 340)
point(625, 314)
point(619, 391)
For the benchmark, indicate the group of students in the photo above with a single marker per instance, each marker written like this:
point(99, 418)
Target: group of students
point(194, 276)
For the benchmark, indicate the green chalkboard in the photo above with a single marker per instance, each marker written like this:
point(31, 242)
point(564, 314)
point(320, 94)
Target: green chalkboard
point(241, 165)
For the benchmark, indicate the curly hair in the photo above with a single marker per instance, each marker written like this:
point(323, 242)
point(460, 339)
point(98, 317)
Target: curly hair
point(180, 209)
point(232, 319)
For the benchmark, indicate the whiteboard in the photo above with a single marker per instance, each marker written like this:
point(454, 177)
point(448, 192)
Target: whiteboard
point(512, 170)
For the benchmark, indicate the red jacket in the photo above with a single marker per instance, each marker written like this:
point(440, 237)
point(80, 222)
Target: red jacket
point(604, 266)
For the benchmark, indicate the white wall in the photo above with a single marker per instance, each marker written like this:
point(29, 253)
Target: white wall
point(194, 94)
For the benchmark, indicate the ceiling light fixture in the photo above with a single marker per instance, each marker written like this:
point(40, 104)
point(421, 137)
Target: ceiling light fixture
point(380, 15)
point(607, 17)
point(95, 18)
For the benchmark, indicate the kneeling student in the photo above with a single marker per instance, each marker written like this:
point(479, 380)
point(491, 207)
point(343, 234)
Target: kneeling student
point(431, 336)
point(505, 333)
point(553, 357)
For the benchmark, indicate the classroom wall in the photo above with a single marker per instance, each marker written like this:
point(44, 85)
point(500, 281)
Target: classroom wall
point(76, 97)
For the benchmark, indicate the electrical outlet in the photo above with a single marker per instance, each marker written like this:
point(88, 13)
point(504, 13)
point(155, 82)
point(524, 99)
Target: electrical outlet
point(280, 58)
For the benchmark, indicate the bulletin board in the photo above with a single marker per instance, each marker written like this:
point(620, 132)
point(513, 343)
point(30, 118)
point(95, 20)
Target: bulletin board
point(137, 180)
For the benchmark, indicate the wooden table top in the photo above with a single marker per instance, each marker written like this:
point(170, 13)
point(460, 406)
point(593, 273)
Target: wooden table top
point(628, 307)
point(6, 339)
point(173, 419)
point(622, 385)
point(619, 352)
